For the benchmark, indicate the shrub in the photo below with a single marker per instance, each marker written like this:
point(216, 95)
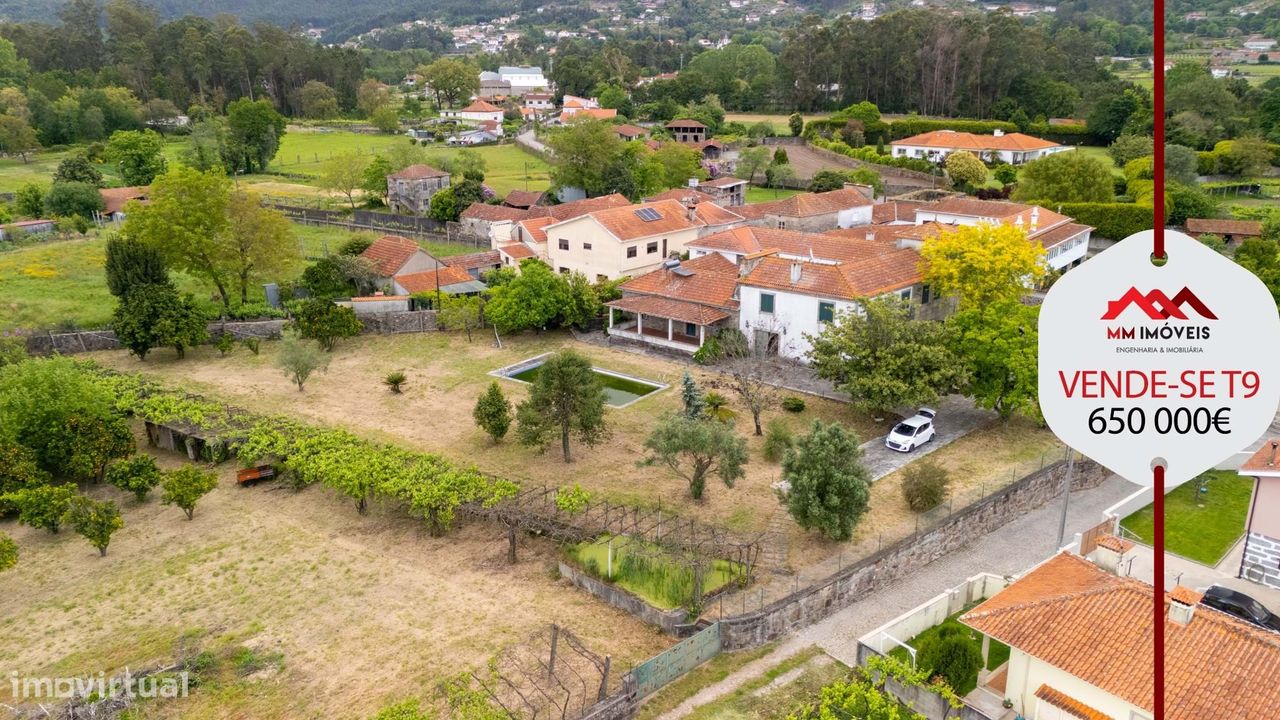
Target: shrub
point(780, 157)
point(225, 343)
point(8, 552)
point(777, 439)
point(717, 406)
point(710, 352)
point(325, 322)
point(185, 486)
point(95, 521)
point(953, 656)
point(791, 403)
point(137, 475)
point(300, 358)
point(43, 506)
point(492, 412)
point(1115, 221)
point(253, 344)
point(394, 381)
point(355, 245)
point(924, 485)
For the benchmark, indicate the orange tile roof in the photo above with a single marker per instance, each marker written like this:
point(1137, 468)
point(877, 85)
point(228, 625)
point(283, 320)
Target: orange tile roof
point(1185, 595)
point(1097, 626)
point(712, 214)
point(523, 198)
point(517, 251)
point(418, 172)
point(114, 199)
point(724, 181)
point(631, 131)
point(1058, 234)
point(481, 106)
point(594, 113)
point(389, 253)
point(1224, 227)
point(1265, 462)
point(536, 227)
point(895, 211)
point(578, 208)
point(379, 298)
point(425, 281)
point(686, 123)
point(1070, 705)
point(492, 213)
point(749, 240)
point(951, 139)
point(869, 277)
point(706, 280)
point(807, 204)
point(1111, 542)
point(625, 224)
point(470, 261)
point(672, 309)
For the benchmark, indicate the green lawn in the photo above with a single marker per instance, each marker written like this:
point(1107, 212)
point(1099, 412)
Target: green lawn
point(759, 194)
point(304, 151)
point(997, 655)
point(660, 583)
point(1199, 528)
point(61, 283)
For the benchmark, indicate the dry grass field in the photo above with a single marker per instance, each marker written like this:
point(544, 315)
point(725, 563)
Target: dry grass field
point(355, 612)
point(445, 376)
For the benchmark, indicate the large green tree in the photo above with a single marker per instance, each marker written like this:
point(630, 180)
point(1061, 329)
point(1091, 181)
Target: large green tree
point(999, 345)
point(257, 241)
point(152, 316)
point(254, 130)
point(884, 359)
point(694, 447)
point(185, 486)
point(131, 264)
point(566, 400)
point(186, 222)
point(533, 300)
point(583, 151)
point(1066, 177)
point(828, 485)
point(325, 322)
point(73, 199)
point(450, 80)
point(139, 154)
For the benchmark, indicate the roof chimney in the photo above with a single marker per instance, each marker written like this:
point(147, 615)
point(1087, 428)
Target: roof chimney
point(1182, 604)
point(693, 182)
point(796, 271)
point(691, 212)
point(871, 235)
point(1035, 217)
point(998, 132)
point(1109, 553)
point(1272, 460)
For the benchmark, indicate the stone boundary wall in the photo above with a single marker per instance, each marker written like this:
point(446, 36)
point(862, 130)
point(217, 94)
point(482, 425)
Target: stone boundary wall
point(915, 178)
point(838, 591)
point(669, 621)
point(899, 560)
point(396, 323)
point(71, 343)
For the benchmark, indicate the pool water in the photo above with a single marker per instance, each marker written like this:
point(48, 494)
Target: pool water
point(619, 391)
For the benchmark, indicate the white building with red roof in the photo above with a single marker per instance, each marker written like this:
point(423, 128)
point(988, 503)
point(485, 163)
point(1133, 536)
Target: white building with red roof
point(1065, 242)
point(679, 305)
point(477, 111)
point(1013, 148)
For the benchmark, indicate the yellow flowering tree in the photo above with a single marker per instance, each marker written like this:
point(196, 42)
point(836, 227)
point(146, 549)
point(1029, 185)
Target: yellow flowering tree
point(982, 264)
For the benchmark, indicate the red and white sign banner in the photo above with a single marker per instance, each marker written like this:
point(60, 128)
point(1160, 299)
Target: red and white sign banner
point(1179, 362)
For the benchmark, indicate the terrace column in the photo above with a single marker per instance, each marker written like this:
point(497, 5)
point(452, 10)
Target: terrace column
point(670, 328)
point(611, 318)
point(702, 335)
point(640, 325)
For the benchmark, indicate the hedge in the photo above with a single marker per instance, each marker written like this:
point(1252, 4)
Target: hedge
point(907, 127)
point(1114, 221)
point(868, 154)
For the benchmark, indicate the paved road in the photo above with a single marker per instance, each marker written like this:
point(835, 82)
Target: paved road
point(1007, 551)
point(957, 417)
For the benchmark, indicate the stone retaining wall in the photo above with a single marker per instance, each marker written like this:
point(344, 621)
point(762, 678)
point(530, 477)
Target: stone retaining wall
point(395, 323)
point(669, 621)
point(70, 343)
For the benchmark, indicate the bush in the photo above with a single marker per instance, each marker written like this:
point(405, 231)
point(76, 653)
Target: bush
point(953, 656)
point(394, 381)
point(225, 343)
point(791, 403)
point(924, 485)
point(8, 552)
point(137, 475)
point(777, 439)
point(355, 246)
point(710, 352)
point(325, 322)
point(253, 344)
point(1114, 221)
point(717, 406)
point(492, 412)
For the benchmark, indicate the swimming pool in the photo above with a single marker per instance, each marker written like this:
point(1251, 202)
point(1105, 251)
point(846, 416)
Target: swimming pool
point(620, 390)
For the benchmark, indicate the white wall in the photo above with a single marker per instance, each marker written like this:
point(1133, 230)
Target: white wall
point(851, 217)
point(1027, 674)
point(793, 316)
point(1070, 251)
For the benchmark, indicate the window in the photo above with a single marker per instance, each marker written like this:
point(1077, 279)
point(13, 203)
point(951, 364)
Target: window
point(766, 302)
point(564, 271)
point(826, 312)
point(690, 329)
point(631, 251)
point(905, 295)
point(924, 295)
point(782, 224)
point(586, 246)
point(564, 243)
point(651, 248)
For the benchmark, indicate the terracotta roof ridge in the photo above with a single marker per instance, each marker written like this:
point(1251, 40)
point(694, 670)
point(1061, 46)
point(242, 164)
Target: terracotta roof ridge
point(1120, 584)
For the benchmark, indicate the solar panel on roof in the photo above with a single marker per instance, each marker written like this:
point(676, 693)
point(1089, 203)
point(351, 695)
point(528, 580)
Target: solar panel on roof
point(648, 214)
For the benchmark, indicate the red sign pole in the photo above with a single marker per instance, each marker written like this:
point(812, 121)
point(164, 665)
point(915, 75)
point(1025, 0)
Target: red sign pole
point(1157, 106)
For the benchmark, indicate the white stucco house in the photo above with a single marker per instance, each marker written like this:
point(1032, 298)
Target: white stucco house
point(1013, 148)
point(523, 78)
point(478, 111)
point(1066, 242)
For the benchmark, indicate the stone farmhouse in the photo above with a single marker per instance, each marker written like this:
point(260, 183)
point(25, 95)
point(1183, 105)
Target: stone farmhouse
point(410, 190)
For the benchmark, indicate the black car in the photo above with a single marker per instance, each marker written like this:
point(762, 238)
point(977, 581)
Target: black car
point(1240, 605)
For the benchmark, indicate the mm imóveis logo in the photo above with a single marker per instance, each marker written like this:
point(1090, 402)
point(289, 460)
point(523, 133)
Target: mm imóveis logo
point(1157, 306)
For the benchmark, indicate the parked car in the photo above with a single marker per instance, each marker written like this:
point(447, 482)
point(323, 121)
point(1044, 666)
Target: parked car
point(912, 432)
point(1240, 605)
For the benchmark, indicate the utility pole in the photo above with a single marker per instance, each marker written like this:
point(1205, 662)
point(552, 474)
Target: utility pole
point(1066, 497)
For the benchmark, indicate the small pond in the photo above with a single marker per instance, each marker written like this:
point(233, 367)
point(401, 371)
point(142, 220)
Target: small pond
point(620, 390)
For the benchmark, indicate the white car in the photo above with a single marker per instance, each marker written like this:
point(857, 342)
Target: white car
point(912, 432)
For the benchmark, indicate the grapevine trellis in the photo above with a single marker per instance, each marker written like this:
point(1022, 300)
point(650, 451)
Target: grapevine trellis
point(684, 540)
point(552, 675)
